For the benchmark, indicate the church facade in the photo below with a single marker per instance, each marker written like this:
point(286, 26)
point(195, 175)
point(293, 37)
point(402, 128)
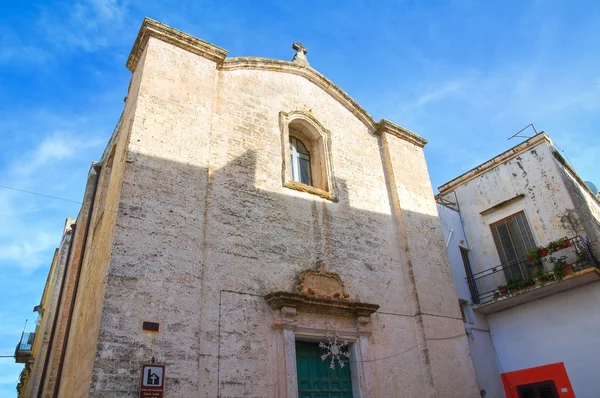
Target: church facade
point(253, 232)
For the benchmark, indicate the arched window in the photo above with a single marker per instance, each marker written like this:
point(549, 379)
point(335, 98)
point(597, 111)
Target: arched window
point(306, 155)
point(299, 162)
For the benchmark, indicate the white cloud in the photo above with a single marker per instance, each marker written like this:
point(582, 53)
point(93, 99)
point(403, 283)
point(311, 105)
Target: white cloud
point(57, 147)
point(12, 49)
point(109, 10)
point(87, 25)
point(443, 91)
point(34, 223)
point(29, 252)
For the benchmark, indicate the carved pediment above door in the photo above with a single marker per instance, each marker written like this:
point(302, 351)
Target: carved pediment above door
point(319, 291)
point(320, 283)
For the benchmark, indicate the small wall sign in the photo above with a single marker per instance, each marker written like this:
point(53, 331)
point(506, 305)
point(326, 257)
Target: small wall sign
point(153, 381)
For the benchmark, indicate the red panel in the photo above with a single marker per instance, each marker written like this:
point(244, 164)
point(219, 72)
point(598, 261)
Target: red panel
point(554, 371)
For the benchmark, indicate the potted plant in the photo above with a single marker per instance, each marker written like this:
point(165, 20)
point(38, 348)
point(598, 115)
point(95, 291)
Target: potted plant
point(512, 285)
point(562, 243)
point(558, 244)
point(527, 283)
point(561, 268)
point(542, 252)
point(502, 289)
point(532, 254)
point(541, 276)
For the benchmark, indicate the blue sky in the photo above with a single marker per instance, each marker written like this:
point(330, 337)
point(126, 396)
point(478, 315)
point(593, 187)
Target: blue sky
point(465, 74)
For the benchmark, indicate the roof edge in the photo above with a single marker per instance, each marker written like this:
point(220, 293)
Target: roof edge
point(160, 31)
point(386, 126)
point(575, 175)
point(276, 65)
point(152, 28)
point(493, 162)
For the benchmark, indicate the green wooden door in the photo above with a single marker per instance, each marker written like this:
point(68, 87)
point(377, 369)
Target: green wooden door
point(316, 379)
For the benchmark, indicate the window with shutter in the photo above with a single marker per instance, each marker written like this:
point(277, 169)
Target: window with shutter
point(542, 389)
point(527, 392)
point(513, 237)
point(470, 280)
point(547, 390)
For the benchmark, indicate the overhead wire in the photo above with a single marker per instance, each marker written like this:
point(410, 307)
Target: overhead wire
point(45, 196)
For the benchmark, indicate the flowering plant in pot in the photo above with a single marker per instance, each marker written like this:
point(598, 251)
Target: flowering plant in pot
point(502, 289)
point(558, 244)
point(532, 254)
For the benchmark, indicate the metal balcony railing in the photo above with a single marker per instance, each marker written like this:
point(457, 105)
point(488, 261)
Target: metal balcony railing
point(24, 347)
point(517, 276)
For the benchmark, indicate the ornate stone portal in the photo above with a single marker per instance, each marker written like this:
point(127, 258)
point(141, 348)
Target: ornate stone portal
point(317, 307)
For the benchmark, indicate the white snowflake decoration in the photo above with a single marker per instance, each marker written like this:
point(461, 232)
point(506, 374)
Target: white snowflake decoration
point(335, 351)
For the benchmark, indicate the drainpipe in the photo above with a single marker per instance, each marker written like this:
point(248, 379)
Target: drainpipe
point(97, 167)
point(449, 236)
point(53, 331)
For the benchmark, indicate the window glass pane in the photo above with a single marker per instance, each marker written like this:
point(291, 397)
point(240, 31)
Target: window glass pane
point(291, 171)
point(300, 147)
point(305, 171)
point(299, 162)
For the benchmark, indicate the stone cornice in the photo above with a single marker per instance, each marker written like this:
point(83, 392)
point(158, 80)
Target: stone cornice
point(495, 161)
point(319, 305)
point(385, 126)
point(152, 28)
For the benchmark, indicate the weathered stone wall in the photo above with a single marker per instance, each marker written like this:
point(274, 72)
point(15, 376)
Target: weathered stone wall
point(445, 358)
point(39, 346)
point(482, 350)
point(57, 344)
point(49, 304)
point(155, 272)
point(83, 337)
point(586, 218)
point(205, 229)
point(535, 174)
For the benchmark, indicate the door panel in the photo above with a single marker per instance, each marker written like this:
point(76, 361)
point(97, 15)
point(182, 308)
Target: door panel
point(316, 379)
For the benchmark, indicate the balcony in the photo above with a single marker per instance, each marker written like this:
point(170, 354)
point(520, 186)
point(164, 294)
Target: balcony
point(23, 350)
point(563, 265)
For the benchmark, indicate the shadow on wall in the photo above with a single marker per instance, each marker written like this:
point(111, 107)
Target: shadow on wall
point(228, 213)
point(183, 236)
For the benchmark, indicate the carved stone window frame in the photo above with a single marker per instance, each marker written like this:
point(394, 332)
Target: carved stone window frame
point(317, 139)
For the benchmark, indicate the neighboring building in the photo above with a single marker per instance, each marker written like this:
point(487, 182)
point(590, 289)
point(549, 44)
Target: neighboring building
point(35, 345)
point(523, 234)
point(244, 211)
